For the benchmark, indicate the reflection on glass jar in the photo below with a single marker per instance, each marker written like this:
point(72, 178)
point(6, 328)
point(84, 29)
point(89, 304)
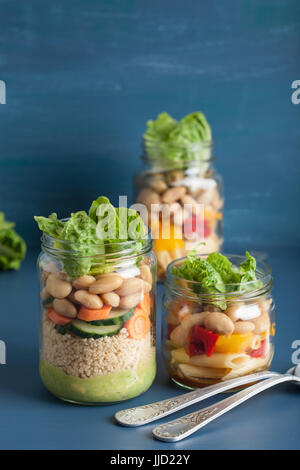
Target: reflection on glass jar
point(187, 195)
point(97, 330)
point(211, 337)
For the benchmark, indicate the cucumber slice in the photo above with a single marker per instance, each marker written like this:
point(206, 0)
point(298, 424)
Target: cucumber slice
point(62, 330)
point(86, 330)
point(116, 315)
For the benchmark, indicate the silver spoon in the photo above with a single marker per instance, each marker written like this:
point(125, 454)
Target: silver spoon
point(148, 413)
point(181, 428)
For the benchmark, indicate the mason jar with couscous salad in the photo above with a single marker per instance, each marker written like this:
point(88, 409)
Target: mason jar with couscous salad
point(97, 305)
point(180, 186)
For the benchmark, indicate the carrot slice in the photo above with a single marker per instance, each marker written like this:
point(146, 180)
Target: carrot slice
point(138, 325)
point(92, 314)
point(58, 318)
point(145, 304)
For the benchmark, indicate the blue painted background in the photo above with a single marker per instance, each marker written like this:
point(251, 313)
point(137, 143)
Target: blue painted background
point(83, 77)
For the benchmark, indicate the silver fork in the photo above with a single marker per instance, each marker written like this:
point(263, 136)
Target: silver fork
point(147, 413)
point(181, 428)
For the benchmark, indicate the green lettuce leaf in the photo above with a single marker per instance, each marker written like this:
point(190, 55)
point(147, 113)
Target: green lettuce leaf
point(80, 228)
point(50, 225)
point(101, 200)
point(168, 139)
point(80, 233)
point(216, 275)
point(12, 246)
point(110, 227)
point(193, 128)
point(84, 238)
point(160, 129)
point(210, 280)
point(223, 266)
point(247, 273)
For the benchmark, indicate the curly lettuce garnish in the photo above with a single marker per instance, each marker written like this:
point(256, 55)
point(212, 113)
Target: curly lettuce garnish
point(159, 130)
point(216, 275)
point(50, 225)
point(166, 138)
point(12, 246)
point(85, 238)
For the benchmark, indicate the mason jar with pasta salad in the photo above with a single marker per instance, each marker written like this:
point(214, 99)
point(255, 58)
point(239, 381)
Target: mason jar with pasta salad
point(97, 305)
point(179, 186)
point(218, 319)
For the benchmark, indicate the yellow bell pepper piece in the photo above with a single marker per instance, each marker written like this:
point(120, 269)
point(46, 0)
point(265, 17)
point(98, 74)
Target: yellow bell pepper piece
point(233, 343)
point(169, 244)
point(264, 334)
point(212, 215)
point(272, 329)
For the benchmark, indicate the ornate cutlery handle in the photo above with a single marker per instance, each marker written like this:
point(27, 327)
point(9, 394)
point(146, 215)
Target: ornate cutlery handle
point(147, 413)
point(183, 427)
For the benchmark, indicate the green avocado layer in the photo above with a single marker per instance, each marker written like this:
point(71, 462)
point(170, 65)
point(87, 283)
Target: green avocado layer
point(108, 388)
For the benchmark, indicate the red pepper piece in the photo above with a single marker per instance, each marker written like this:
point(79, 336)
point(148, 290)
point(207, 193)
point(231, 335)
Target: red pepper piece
point(261, 351)
point(207, 229)
point(190, 226)
point(201, 341)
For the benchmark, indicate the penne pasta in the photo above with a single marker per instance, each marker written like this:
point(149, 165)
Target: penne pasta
point(249, 366)
point(163, 259)
point(216, 360)
point(256, 342)
point(201, 372)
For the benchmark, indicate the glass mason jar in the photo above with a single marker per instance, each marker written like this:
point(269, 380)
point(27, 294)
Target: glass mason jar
point(203, 344)
point(188, 194)
point(111, 359)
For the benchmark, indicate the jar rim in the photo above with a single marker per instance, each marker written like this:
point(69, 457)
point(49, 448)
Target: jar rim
point(263, 272)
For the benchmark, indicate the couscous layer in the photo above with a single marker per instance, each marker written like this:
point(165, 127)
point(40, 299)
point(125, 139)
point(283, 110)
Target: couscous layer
point(109, 369)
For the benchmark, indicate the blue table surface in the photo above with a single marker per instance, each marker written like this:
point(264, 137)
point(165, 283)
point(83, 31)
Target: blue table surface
point(33, 419)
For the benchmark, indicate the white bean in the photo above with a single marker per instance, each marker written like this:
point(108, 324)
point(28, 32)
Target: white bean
point(130, 301)
point(261, 324)
point(111, 298)
point(65, 308)
point(57, 287)
point(158, 185)
point(87, 299)
point(131, 286)
point(190, 201)
point(148, 197)
point(219, 323)
point(83, 282)
point(106, 283)
point(180, 334)
point(173, 194)
point(177, 314)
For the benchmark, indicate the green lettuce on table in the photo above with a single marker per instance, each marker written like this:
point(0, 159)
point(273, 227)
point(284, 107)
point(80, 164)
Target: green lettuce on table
point(188, 139)
point(12, 246)
point(216, 275)
point(83, 240)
